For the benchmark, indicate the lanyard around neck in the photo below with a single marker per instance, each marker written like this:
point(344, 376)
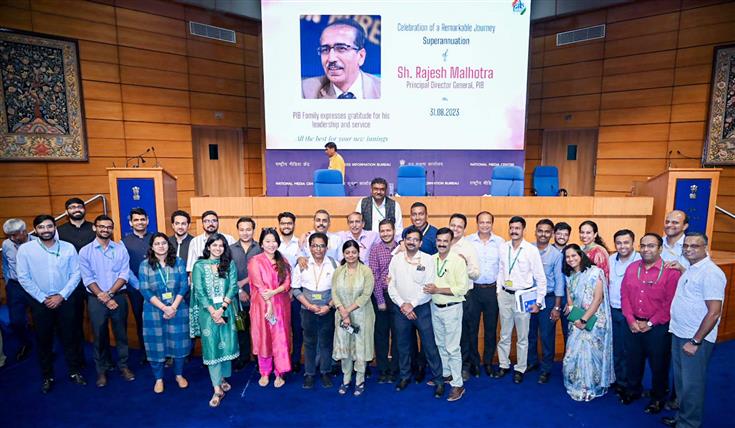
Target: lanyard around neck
point(651, 283)
point(512, 265)
point(56, 253)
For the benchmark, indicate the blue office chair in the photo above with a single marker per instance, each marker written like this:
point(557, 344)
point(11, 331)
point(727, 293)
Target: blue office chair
point(546, 181)
point(507, 181)
point(411, 180)
point(328, 182)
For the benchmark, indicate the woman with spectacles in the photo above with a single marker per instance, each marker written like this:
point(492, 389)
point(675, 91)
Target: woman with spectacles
point(270, 308)
point(354, 345)
point(588, 361)
point(163, 284)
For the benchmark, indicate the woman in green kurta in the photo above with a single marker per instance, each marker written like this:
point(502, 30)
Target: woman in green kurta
point(214, 279)
point(352, 286)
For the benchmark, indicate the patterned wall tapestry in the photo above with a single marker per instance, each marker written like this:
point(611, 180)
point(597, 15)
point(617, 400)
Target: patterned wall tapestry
point(41, 116)
point(719, 147)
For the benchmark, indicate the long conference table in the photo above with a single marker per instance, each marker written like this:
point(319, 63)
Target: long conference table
point(610, 214)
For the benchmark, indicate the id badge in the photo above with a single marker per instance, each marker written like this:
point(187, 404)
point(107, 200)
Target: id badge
point(317, 296)
point(167, 295)
point(508, 283)
point(218, 299)
point(420, 268)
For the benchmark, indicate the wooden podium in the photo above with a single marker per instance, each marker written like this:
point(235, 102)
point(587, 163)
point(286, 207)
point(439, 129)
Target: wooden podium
point(692, 190)
point(153, 189)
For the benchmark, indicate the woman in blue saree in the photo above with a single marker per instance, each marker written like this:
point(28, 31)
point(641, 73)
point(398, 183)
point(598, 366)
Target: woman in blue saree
point(588, 361)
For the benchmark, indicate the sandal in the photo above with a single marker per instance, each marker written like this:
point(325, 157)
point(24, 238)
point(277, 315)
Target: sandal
point(216, 399)
point(279, 382)
point(226, 387)
point(359, 389)
point(183, 383)
point(158, 387)
point(343, 389)
point(263, 381)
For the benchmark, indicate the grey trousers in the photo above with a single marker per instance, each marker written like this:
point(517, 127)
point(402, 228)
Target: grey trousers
point(690, 376)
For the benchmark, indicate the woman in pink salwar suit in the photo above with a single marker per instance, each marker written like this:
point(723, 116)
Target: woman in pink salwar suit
point(270, 282)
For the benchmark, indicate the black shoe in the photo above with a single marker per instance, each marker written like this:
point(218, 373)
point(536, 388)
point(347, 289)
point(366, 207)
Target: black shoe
point(474, 371)
point(628, 398)
point(326, 381)
point(489, 370)
point(544, 377)
point(368, 372)
point(439, 391)
point(402, 384)
point(672, 404)
point(46, 385)
point(532, 367)
point(668, 421)
point(383, 378)
point(517, 377)
point(295, 367)
point(77, 379)
point(336, 370)
point(465, 375)
point(419, 376)
point(500, 373)
point(654, 407)
point(618, 388)
point(308, 382)
point(23, 353)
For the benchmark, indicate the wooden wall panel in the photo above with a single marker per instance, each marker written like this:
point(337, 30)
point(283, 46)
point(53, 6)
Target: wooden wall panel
point(646, 86)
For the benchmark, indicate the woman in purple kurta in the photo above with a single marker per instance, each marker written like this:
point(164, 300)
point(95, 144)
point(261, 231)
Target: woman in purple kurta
point(270, 308)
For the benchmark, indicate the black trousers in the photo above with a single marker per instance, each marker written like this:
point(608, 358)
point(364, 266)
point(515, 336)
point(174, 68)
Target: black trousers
point(385, 332)
point(136, 304)
point(654, 346)
point(479, 302)
point(318, 334)
point(243, 337)
point(47, 323)
point(80, 300)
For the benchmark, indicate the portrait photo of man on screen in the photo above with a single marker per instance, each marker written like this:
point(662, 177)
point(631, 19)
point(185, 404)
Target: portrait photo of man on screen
point(343, 55)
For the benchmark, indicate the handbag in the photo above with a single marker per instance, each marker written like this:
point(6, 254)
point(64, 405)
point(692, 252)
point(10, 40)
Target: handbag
point(239, 317)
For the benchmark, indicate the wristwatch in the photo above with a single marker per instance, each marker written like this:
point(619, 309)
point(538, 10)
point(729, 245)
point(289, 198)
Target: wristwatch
point(583, 321)
point(694, 342)
point(649, 324)
point(556, 308)
point(111, 294)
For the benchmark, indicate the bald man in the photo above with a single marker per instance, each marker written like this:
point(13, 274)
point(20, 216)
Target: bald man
point(675, 226)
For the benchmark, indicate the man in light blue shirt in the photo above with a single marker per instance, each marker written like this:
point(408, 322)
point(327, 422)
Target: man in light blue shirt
point(619, 262)
point(48, 270)
point(105, 272)
point(544, 322)
point(18, 299)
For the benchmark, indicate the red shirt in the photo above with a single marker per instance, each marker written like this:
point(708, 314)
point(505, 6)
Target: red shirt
point(647, 294)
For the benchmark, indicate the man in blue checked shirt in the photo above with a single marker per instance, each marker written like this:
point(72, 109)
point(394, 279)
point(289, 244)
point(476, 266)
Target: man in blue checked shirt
point(105, 272)
point(48, 270)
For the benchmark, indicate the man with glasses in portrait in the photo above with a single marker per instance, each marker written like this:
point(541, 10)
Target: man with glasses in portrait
point(342, 52)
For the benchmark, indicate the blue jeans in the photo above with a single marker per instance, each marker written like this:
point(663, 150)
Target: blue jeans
point(18, 304)
point(541, 323)
point(157, 367)
point(404, 331)
point(620, 329)
point(690, 377)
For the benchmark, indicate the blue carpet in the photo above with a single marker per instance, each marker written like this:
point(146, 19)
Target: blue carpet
point(488, 402)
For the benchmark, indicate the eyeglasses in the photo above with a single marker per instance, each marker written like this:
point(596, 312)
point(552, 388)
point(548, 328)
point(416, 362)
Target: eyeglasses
point(692, 246)
point(210, 221)
point(339, 49)
point(318, 246)
point(412, 240)
point(101, 227)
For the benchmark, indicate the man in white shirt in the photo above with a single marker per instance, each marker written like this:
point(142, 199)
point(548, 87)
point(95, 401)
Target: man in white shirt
point(675, 226)
point(378, 206)
point(290, 249)
point(322, 220)
point(484, 295)
point(619, 262)
point(312, 288)
point(464, 248)
point(409, 272)
point(520, 267)
point(695, 316)
point(210, 224)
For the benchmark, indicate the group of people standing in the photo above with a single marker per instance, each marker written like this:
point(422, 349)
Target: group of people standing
point(406, 298)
